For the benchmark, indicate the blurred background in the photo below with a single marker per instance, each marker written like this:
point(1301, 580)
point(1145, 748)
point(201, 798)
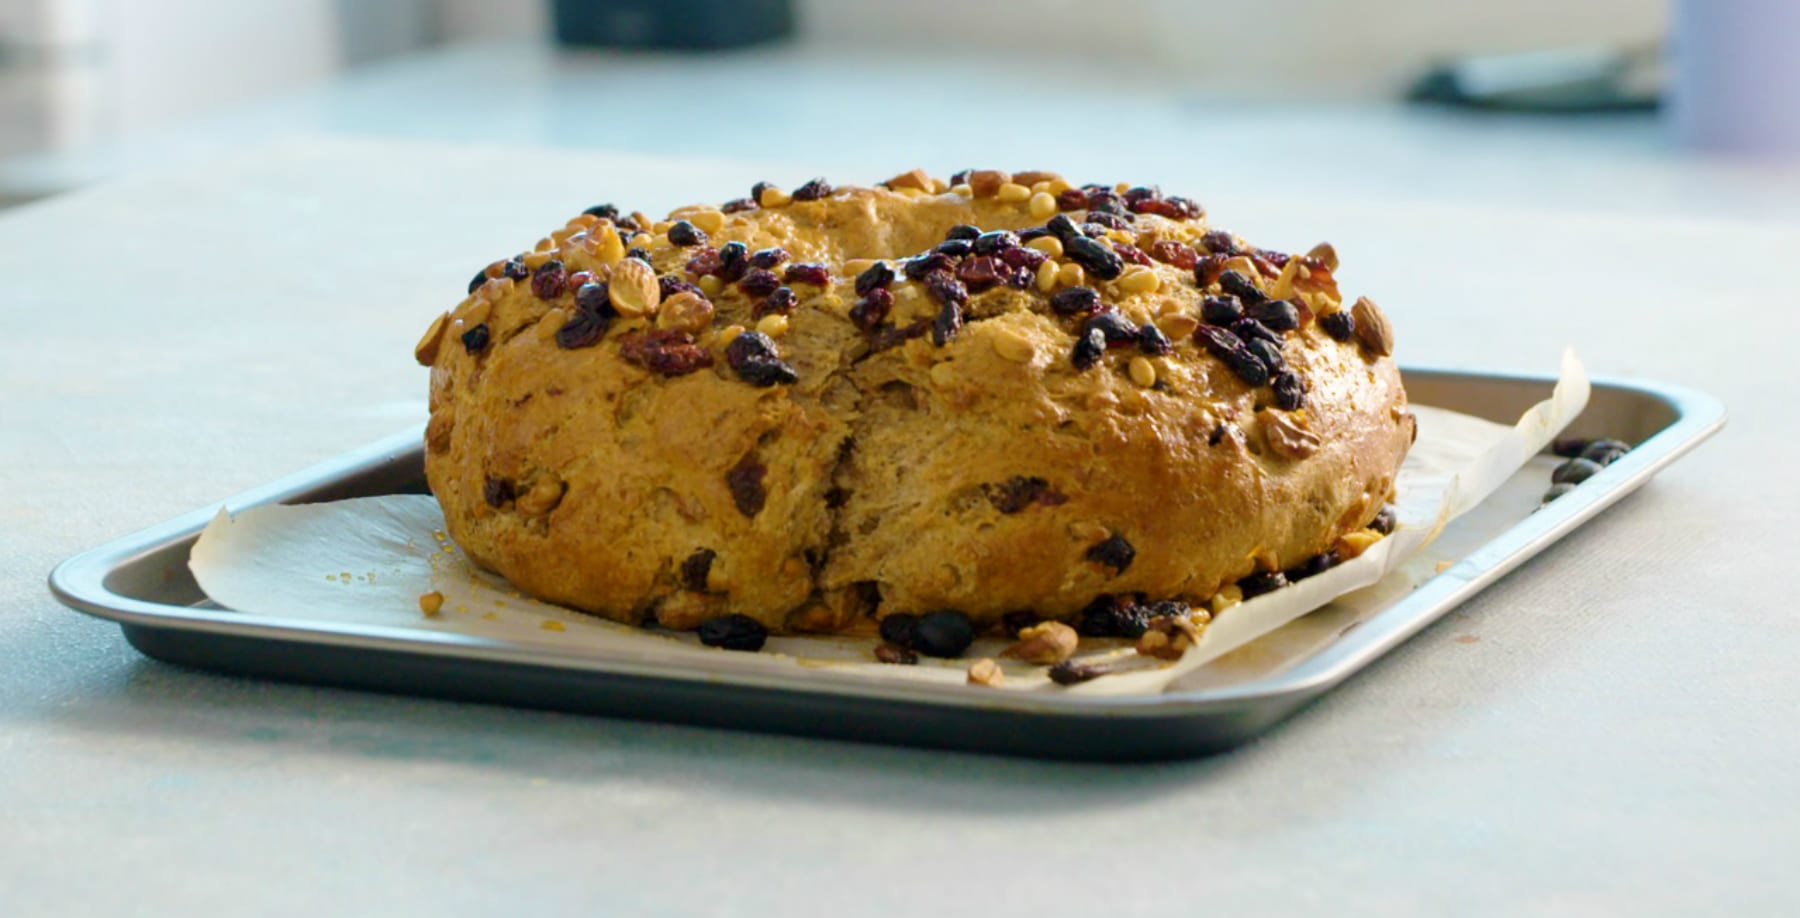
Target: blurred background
point(1529, 101)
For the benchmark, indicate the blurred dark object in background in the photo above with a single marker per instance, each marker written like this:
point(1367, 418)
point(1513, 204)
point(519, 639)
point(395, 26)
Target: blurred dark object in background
point(695, 25)
point(1562, 80)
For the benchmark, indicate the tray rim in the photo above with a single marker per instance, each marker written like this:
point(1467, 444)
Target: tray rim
point(80, 583)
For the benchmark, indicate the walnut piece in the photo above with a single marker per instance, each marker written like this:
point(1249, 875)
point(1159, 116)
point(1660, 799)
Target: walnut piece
point(1044, 643)
point(1286, 436)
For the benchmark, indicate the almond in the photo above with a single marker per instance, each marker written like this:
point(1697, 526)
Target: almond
point(917, 178)
point(1372, 327)
point(425, 352)
point(985, 672)
point(1044, 644)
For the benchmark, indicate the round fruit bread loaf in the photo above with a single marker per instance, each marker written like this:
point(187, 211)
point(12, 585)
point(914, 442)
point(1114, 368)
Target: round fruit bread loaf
point(997, 394)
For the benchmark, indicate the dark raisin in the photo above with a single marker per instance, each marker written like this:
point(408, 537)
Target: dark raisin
point(1262, 582)
point(1558, 490)
point(1074, 672)
point(1241, 287)
point(627, 226)
point(812, 191)
point(603, 211)
point(746, 483)
point(584, 329)
point(920, 265)
point(1219, 242)
point(1279, 315)
point(1290, 392)
point(1089, 348)
point(808, 273)
point(877, 275)
point(1384, 520)
point(1168, 251)
point(695, 568)
point(665, 351)
point(1152, 341)
point(949, 321)
point(733, 632)
point(1252, 330)
point(1098, 223)
point(897, 629)
point(768, 258)
point(1105, 201)
point(1177, 207)
point(962, 231)
point(1132, 254)
point(1114, 616)
point(683, 233)
point(1217, 436)
point(737, 206)
point(1138, 194)
point(1094, 257)
point(1268, 352)
point(475, 340)
point(668, 285)
point(704, 262)
point(994, 241)
point(639, 253)
point(498, 492)
point(1605, 452)
point(1020, 278)
point(1312, 567)
point(756, 190)
point(899, 656)
point(1019, 492)
point(549, 280)
point(781, 300)
point(1569, 447)
point(943, 634)
point(1221, 310)
point(1114, 552)
point(872, 309)
point(978, 273)
point(960, 178)
point(1339, 325)
point(734, 260)
point(1230, 349)
point(753, 357)
point(945, 288)
point(759, 282)
point(1117, 330)
point(595, 298)
point(1075, 301)
point(1064, 228)
point(1574, 471)
point(480, 278)
point(955, 248)
point(1023, 256)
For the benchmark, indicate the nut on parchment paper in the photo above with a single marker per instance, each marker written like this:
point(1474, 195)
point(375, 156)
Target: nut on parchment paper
point(985, 672)
point(1044, 644)
point(1168, 637)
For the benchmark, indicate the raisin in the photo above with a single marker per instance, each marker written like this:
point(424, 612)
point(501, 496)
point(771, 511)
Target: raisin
point(1098, 223)
point(812, 191)
point(897, 629)
point(1105, 201)
point(1217, 436)
point(994, 241)
point(1268, 353)
point(920, 265)
point(781, 300)
point(963, 231)
point(872, 309)
point(1116, 329)
point(756, 190)
point(768, 258)
point(1312, 567)
point(1089, 348)
point(1278, 315)
point(1558, 490)
point(668, 285)
point(877, 275)
point(1019, 492)
point(628, 226)
point(1219, 242)
point(955, 248)
point(1570, 447)
point(753, 357)
point(759, 282)
point(1262, 582)
point(704, 262)
point(1020, 278)
point(1236, 284)
point(549, 280)
point(1252, 330)
point(1152, 341)
point(1176, 207)
point(960, 178)
point(1063, 228)
point(1605, 452)
point(1132, 254)
point(1074, 672)
point(737, 206)
point(480, 278)
point(943, 634)
point(584, 329)
point(1384, 520)
point(695, 569)
point(887, 336)
point(949, 321)
point(638, 252)
point(1023, 257)
point(1138, 194)
point(1075, 301)
point(684, 234)
point(1339, 325)
point(596, 299)
point(1290, 392)
point(1207, 269)
point(1120, 617)
point(978, 273)
point(603, 211)
point(475, 340)
point(1114, 552)
point(1230, 349)
point(1094, 257)
point(746, 483)
point(733, 632)
point(665, 351)
point(896, 655)
point(1574, 471)
point(945, 288)
point(1170, 252)
point(808, 273)
point(1070, 199)
point(734, 260)
point(498, 492)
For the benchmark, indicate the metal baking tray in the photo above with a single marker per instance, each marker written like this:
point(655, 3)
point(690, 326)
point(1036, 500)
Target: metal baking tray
point(142, 582)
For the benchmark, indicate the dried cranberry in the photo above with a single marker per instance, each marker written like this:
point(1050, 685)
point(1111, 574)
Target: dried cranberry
point(945, 288)
point(1075, 301)
point(1384, 520)
point(549, 280)
point(1290, 392)
point(1153, 342)
point(475, 340)
point(752, 356)
point(1114, 552)
point(1277, 315)
point(1114, 328)
point(963, 231)
point(812, 191)
point(1170, 252)
point(808, 273)
point(1339, 325)
point(734, 260)
point(1023, 257)
point(759, 282)
point(920, 265)
point(1132, 253)
point(1219, 242)
point(943, 634)
point(897, 629)
point(1094, 257)
point(1177, 207)
point(733, 632)
point(781, 300)
point(1241, 287)
point(1262, 582)
point(978, 273)
point(872, 309)
point(1018, 492)
point(955, 248)
point(668, 285)
point(1268, 352)
point(665, 351)
point(1230, 349)
point(496, 491)
point(1221, 310)
point(746, 483)
point(1070, 199)
point(992, 242)
point(684, 233)
point(877, 275)
point(695, 568)
point(737, 206)
point(704, 262)
point(1090, 346)
point(949, 321)
point(768, 258)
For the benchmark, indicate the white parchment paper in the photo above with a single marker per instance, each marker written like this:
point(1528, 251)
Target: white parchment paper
point(366, 561)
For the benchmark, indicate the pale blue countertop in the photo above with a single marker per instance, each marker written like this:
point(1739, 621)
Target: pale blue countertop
point(1609, 730)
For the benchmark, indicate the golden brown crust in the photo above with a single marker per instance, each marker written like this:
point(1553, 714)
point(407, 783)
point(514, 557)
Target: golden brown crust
point(639, 474)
